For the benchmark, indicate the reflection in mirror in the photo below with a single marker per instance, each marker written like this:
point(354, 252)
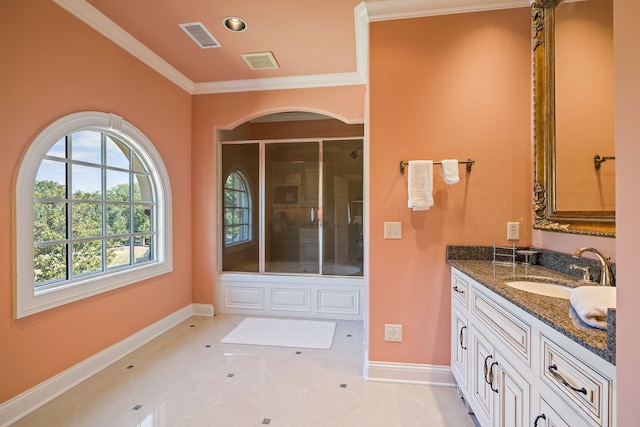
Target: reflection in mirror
point(584, 105)
point(574, 117)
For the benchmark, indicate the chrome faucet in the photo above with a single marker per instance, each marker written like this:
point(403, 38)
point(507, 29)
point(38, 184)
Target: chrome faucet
point(606, 273)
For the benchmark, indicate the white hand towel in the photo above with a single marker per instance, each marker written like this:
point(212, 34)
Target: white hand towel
point(420, 184)
point(449, 171)
point(591, 303)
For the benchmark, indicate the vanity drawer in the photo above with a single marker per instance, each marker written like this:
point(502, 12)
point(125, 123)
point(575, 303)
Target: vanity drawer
point(580, 385)
point(514, 332)
point(459, 290)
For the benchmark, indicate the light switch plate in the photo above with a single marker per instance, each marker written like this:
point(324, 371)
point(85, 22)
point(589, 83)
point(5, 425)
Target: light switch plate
point(393, 230)
point(393, 333)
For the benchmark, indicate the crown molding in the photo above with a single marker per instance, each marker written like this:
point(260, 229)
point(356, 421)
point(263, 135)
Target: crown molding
point(384, 10)
point(105, 26)
point(277, 83)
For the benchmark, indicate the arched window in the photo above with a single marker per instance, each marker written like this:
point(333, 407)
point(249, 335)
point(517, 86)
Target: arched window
point(237, 209)
point(92, 212)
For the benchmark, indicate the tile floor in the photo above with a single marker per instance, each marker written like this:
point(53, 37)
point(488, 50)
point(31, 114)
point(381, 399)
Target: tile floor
point(187, 378)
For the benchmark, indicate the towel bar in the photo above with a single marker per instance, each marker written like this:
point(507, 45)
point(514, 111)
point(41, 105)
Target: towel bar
point(467, 162)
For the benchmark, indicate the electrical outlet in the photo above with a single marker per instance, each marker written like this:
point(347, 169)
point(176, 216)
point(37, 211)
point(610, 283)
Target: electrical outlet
point(513, 231)
point(393, 230)
point(393, 333)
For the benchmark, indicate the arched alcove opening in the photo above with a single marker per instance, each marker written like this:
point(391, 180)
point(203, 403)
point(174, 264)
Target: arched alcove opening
point(291, 124)
point(304, 172)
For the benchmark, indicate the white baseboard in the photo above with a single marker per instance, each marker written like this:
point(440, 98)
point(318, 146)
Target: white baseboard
point(32, 399)
point(202, 310)
point(409, 373)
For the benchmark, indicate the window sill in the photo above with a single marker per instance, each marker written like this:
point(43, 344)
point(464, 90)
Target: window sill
point(47, 299)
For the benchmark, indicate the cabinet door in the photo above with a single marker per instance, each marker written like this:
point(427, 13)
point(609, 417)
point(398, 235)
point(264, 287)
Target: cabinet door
point(513, 395)
point(460, 349)
point(481, 396)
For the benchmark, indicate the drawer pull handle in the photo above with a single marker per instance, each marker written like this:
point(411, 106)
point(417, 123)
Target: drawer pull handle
point(462, 338)
point(557, 376)
point(538, 418)
point(486, 368)
point(491, 377)
point(458, 290)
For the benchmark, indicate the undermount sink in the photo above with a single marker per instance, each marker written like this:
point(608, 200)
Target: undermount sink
point(541, 288)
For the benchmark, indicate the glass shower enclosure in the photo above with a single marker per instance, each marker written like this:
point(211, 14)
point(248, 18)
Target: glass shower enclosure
point(301, 209)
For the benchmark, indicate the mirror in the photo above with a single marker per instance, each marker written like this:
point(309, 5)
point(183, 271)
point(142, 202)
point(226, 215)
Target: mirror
point(574, 171)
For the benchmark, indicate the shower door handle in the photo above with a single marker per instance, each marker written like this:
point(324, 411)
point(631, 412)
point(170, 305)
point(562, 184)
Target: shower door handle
point(316, 216)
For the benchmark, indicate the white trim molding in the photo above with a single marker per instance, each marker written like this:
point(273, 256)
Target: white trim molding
point(409, 373)
point(36, 397)
point(203, 310)
point(276, 83)
point(385, 10)
point(91, 16)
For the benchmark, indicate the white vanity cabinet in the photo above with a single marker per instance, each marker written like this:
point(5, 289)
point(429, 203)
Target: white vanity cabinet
point(514, 370)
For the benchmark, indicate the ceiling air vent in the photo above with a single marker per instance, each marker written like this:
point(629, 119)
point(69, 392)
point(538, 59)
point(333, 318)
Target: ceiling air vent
point(260, 60)
point(200, 35)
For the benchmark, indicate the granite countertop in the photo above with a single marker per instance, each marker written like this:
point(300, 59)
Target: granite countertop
point(555, 312)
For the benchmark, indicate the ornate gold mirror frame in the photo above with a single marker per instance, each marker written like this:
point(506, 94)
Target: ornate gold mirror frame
point(546, 216)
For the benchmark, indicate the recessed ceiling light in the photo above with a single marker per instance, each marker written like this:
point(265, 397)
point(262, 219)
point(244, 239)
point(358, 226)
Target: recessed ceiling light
point(233, 23)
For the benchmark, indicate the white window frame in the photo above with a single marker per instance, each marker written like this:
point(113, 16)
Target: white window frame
point(249, 208)
point(27, 300)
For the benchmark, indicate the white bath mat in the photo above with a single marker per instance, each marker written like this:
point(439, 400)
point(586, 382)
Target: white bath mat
point(283, 333)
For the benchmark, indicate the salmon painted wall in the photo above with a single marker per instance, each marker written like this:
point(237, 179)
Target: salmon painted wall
point(455, 86)
point(225, 112)
point(627, 66)
point(53, 65)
